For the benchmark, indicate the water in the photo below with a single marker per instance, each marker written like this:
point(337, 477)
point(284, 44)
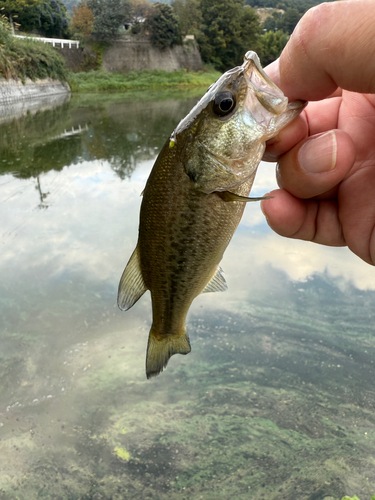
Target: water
point(276, 399)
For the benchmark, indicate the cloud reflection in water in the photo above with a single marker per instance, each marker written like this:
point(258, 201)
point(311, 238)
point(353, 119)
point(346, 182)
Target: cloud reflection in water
point(278, 362)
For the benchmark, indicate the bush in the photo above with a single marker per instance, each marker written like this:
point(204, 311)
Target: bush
point(270, 46)
point(5, 31)
point(26, 58)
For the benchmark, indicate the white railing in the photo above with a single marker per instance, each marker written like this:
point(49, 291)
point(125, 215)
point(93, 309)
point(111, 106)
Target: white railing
point(53, 41)
point(74, 131)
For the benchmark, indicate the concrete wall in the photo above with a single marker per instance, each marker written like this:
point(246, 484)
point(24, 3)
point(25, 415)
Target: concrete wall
point(78, 59)
point(15, 109)
point(129, 54)
point(15, 90)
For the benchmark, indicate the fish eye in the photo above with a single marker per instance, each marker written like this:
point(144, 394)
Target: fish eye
point(224, 103)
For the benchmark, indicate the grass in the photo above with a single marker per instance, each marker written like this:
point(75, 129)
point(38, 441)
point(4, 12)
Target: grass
point(100, 81)
point(27, 58)
point(23, 58)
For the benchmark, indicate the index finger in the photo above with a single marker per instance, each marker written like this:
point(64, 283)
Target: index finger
point(330, 47)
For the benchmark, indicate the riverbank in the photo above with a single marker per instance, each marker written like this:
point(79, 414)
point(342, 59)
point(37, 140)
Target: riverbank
point(26, 58)
point(102, 81)
point(30, 68)
point(12, 91)
point(15, 90)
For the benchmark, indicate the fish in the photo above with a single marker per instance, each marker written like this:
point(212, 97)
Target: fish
point(194, 199)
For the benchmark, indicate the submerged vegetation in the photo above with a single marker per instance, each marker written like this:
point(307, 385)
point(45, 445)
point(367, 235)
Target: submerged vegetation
point(275, 402)
point(356, 498)
point(97, 81)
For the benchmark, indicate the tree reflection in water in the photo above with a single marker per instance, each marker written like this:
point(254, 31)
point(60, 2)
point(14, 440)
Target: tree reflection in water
point(276, 399)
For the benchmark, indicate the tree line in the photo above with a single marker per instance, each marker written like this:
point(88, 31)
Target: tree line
point(223, 29)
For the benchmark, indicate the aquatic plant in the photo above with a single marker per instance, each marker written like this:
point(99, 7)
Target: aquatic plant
point(355, 498)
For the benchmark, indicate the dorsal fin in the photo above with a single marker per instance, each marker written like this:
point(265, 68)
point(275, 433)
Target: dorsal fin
point(132, 286)
point(217, 283)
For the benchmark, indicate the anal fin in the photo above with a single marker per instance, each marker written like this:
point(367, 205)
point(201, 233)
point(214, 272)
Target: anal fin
point(217, 283)
point(131, 286)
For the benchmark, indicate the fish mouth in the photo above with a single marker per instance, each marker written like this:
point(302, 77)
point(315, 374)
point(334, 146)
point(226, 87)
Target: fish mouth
point(266, 91)
point(251, 59)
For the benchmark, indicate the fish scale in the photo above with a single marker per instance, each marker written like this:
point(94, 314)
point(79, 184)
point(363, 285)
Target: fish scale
point(194, 200)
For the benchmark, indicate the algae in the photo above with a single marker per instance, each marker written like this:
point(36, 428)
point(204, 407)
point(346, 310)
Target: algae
point(122, 453)
point(355, 498)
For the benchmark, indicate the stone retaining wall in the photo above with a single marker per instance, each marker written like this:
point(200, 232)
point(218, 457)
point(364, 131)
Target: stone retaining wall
point(128, 54)
point(15, 90)
point(15, 109)
point(134, 53)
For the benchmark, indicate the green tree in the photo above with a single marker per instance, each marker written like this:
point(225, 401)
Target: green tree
point(228, 30)
point(269, 24)
point(48, 17)
point(189, 16)
point(109, 16)
point(270, 46)
point(162, 25)
point(249, 33)
point(279, 19)
point(290, 19)
point(136, 13)
point(11, 8)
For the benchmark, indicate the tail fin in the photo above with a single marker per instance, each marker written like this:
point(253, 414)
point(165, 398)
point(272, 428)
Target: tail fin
point(161, 348)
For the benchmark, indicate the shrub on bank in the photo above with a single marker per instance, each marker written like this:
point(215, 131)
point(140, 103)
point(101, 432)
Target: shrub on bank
point(99, 81)
point(26, 58)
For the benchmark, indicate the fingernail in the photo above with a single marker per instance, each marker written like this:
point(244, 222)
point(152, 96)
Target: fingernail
point(319, 154)
point(273, 72)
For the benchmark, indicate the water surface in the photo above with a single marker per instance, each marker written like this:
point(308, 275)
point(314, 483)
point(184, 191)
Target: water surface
point(276, 399)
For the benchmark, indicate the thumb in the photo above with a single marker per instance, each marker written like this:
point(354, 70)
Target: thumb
point(314, 167)
point(309, 172)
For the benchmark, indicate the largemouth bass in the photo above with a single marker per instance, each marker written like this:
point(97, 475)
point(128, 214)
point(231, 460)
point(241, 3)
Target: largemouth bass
point(194, 199)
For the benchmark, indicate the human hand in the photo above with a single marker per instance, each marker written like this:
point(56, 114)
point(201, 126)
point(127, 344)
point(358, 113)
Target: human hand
point(326, 168)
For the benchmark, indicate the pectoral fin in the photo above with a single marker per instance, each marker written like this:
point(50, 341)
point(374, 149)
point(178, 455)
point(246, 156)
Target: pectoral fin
point(217, 282)
point(229, 196)
point(132, 286)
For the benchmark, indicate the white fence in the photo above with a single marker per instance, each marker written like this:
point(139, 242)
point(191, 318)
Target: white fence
point(54, 41)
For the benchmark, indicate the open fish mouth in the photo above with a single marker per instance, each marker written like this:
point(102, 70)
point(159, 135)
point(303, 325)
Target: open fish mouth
point(267, 92)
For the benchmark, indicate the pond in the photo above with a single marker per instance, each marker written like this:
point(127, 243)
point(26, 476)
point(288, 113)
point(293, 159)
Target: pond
point(276, 399)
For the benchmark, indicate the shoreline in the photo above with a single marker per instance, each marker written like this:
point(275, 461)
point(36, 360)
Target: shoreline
point(102, 81)
point(13, 91)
